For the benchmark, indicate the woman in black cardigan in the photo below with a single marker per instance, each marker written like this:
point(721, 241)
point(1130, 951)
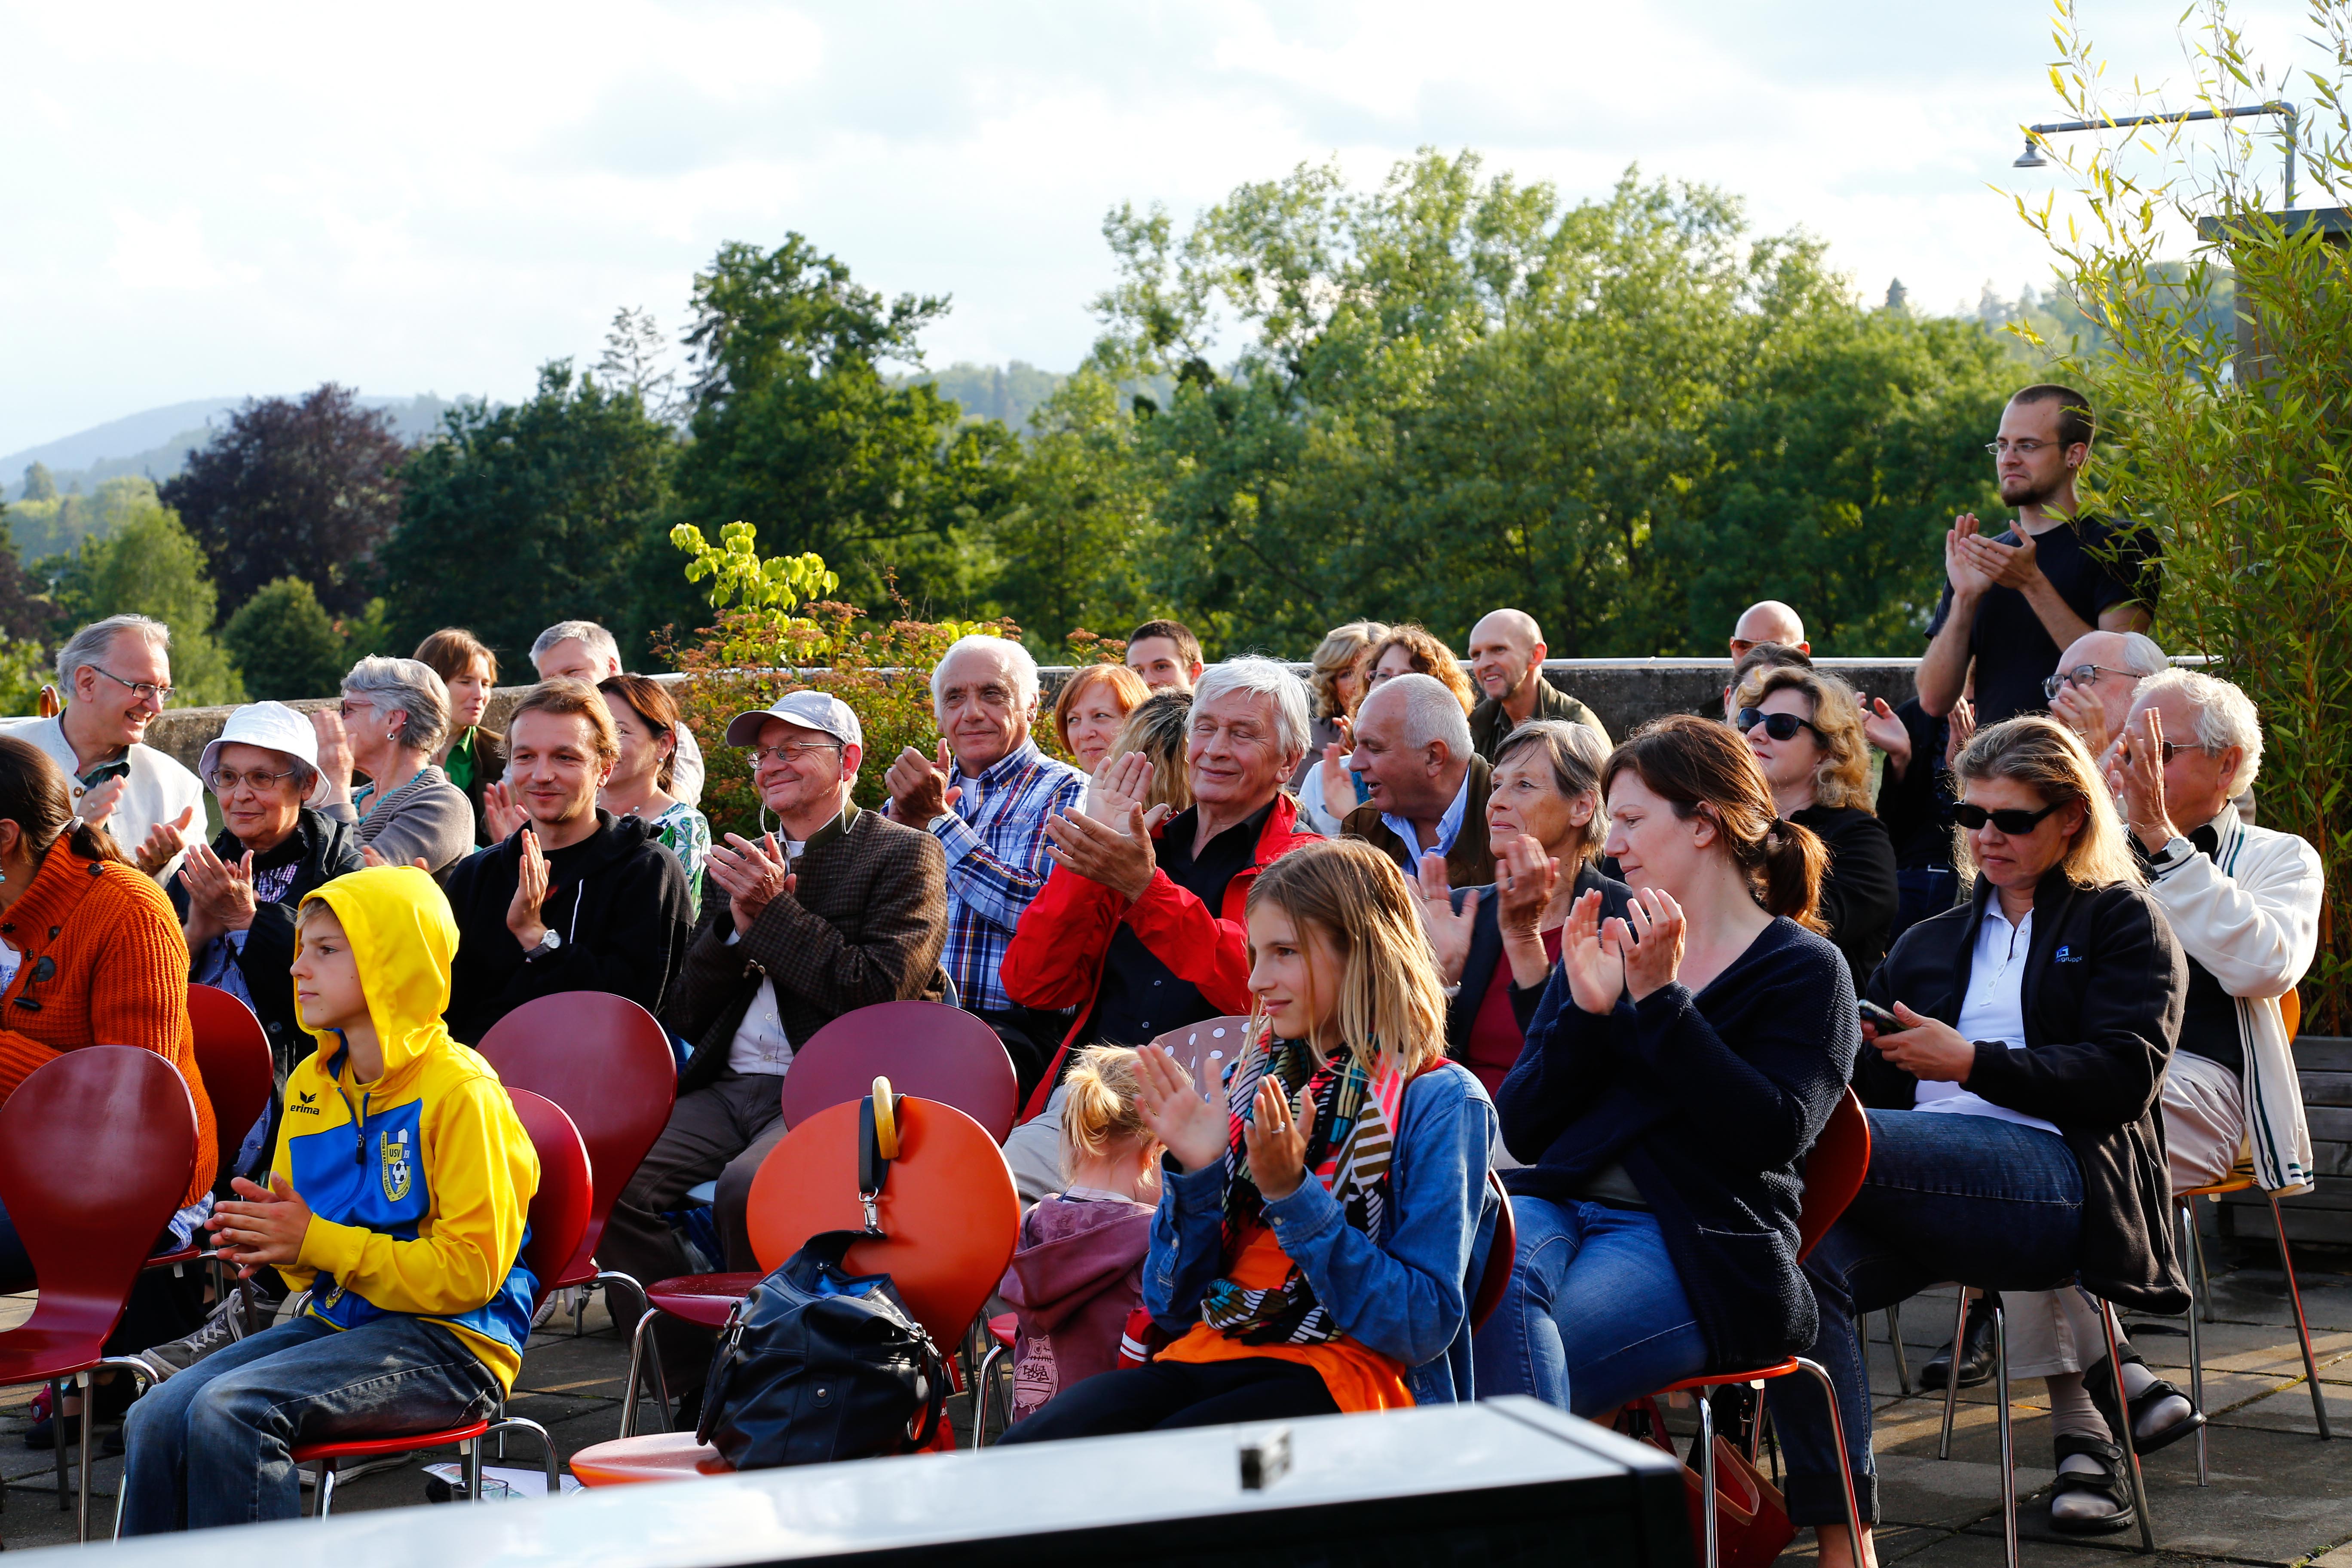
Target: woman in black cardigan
point(1676, 1072)
point(2014, 1139)
point(1496, 945)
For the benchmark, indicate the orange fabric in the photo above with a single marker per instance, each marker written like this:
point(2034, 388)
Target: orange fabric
point(120, 979)
point(1358, 1377)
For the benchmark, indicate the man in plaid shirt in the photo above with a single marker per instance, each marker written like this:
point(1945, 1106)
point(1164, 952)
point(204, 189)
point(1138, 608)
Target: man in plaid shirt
point(985, 797)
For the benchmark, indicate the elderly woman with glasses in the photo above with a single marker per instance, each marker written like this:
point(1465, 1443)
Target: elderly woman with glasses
point(392, 716)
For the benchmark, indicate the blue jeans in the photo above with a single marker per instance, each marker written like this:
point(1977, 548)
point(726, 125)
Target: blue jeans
point(1969, 1198)
point(213, 1444)
point(1594, 1314)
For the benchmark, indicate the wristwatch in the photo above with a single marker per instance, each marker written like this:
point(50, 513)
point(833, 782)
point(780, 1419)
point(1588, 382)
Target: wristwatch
point(548, 942)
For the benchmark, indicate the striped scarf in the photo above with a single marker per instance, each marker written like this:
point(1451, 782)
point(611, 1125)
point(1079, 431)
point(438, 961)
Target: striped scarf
point(1348, 1151)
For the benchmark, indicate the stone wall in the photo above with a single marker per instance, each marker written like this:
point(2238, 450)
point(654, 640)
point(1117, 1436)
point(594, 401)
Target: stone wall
point(1623, 691)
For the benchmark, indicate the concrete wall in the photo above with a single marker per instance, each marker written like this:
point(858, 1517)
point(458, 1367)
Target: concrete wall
point(1623, 691)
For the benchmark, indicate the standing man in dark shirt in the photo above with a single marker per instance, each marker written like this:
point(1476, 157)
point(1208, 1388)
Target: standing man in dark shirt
point(1140, 924)
point(2011, 602)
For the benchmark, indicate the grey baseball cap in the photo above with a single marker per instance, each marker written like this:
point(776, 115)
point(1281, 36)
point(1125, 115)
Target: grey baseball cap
point(810, 709)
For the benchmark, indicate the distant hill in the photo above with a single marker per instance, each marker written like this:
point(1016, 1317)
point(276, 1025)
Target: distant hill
point(156, 444)
point(988, 391)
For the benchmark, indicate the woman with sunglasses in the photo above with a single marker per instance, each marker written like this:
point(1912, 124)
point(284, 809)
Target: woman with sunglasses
point(2013, 1119)
point(1805, 727)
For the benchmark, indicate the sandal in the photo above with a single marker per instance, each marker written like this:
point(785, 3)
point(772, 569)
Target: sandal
point(2099, 1383)
point(2107, 1485)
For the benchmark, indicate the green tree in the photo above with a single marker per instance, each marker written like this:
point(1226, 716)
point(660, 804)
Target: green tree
point(1071, 545)
point(548, 509)
point(38, 483)
point(797, 432)
point(139, 559)
point(284, 644)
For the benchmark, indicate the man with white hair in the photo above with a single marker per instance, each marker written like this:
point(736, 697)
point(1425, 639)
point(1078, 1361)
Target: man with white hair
point(1768, 620)
point(1428, 785)
point(583, 650)
point(1141, 926)
point(2091, 691)
point(2244, 902)
point(117, 675)
point(1506, 657)
point(985, 796)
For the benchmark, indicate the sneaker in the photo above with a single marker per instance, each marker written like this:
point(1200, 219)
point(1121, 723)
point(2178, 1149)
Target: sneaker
point(230, 1320)
point(352, 1468)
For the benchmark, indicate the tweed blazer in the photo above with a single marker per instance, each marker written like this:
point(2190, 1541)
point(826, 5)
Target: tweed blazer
point(864, 923)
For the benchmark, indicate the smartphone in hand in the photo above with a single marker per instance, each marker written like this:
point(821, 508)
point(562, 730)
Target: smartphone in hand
point(1878, 1017)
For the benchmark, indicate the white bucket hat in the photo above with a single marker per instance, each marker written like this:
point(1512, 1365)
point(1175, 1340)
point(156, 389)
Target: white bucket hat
point(274, 727)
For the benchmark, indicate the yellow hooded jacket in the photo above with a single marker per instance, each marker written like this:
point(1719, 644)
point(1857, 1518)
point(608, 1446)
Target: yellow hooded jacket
point(420, 1183)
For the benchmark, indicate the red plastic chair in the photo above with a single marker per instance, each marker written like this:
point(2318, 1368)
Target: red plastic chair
point(559, 1214)
point(97, 1148)
point(240, 1077)
point(607, 1062)
point(1834, 1168)
point(925, 1048)
point(949, 1220)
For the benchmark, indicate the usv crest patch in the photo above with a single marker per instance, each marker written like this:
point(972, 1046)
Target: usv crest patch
point(392, 1159)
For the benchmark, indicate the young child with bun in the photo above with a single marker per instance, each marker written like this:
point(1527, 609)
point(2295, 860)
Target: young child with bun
point(1077, 1277)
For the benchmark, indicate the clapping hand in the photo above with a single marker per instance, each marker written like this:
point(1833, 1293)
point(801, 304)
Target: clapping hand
point(1338, 782)
point(1192, 1127)
point(334, 752)
point(1882, 727)
point(500, 813)
point(166, 841)
point(1930, 1050)
point(532, 888)
point(1962, 727)
point(2080, 709)
point(261, 1225)
point(1961, 568)
point(1594, 959)
point(1117, 789)
point(919, 787)
point(220, 892)
point(1449, 931)
point(98, 804)
point(752, 875)
point(2006, 566)
point(1275, 1141)
point(1658, 952)
point(2135, 777)
point(1121, 861)
point(1525, 880)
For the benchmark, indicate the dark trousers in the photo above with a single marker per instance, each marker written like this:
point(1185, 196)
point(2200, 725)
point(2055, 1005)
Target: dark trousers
point(1167, 1394)
point(1031, 1037)
point(721, 1132)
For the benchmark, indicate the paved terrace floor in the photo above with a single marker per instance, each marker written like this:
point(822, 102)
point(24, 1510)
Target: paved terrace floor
point(2278, 1496)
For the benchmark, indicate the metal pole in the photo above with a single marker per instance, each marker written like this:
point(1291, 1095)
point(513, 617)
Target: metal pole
point(2059, 128)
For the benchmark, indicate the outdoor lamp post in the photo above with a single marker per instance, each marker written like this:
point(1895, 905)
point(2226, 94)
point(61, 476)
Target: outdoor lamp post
point(2035, 134)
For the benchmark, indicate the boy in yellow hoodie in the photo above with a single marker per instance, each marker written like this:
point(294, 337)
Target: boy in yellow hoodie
point(399, 1196)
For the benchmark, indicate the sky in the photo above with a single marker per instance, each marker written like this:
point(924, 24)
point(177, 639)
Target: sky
point(206, 201)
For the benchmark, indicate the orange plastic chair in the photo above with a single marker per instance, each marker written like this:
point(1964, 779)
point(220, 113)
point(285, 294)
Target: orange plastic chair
point(607, 1062)
point(239, 1076)
point(1834, 1168)
point(949, 1217)
point(559, 1213)
point(97, 1148)
point(924, 1048)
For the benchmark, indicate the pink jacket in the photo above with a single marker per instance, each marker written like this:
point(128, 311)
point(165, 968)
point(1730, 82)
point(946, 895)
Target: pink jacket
point(1077, 1275)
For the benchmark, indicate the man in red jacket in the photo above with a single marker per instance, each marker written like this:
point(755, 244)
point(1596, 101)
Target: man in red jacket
point(1139, 925)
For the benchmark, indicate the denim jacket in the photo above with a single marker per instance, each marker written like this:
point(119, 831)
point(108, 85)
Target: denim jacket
point(1407, 1297)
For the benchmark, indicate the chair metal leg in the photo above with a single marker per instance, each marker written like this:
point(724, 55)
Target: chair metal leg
point(472, 1452)
point(2008, 1439)
point(2198, 1299)
point(2204, 1275)
point(2302, 1327)
point(81, 1483)
point(1845, 1466)
point(638, 1363)
point(325, 1476)
point(2130, 1446)
point(1952, 1377)
point(979, 1388)
point(1706, 1469)
point(549, 1462)
point(1894, 1340)
point(142, 1380)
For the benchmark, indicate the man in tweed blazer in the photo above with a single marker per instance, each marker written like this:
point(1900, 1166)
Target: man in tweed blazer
point(837, 910)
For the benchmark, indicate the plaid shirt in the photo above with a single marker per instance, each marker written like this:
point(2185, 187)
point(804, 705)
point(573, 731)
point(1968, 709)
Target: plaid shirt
point(995, 842)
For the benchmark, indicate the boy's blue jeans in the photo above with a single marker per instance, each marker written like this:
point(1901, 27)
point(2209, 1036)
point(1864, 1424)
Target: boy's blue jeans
point(214, 1444)
point(1968, 1198)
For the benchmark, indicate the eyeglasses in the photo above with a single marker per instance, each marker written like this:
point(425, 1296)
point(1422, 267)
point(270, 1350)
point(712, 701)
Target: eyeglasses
point(147, 690)
point(224, 782)
point(2022, 448)
point(2081, 675)
point(2015, 821)
point(797, 751)
point(2172, 749)
point(1779, 726)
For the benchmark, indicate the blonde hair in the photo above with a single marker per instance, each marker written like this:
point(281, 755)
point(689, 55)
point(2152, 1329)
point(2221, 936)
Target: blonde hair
point(1430, 657)
point(1389, 996)
point(2044, 756)
point(1100, 1113)
point(1843, 778)
point(1341, 650)
point(1159, 727)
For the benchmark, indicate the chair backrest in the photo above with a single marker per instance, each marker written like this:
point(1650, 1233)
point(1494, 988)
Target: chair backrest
point(1501, 1253)
point(559, 1210)
point(950, 1215)
point(607, 1062)
point(97, 1148)
point(923, 1047)
point(1206, 1049)
point(1840, 1158)
point(232, 1058)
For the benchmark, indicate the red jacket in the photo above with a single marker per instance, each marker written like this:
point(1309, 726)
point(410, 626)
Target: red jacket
point(1055, 958)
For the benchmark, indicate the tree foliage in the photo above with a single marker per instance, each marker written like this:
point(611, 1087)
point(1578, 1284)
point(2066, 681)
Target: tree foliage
point(308, 489)
point(552, 508)
point(285, 646)
point(141, 560)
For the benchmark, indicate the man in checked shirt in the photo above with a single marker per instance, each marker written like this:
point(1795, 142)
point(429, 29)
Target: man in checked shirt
point(985, 796)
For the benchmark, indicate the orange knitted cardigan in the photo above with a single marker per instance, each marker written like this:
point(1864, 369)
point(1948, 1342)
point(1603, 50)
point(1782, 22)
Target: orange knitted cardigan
point(116, 974)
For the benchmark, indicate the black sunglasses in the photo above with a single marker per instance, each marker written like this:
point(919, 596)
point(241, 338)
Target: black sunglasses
point(2016, 821)
point(1779, 726)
